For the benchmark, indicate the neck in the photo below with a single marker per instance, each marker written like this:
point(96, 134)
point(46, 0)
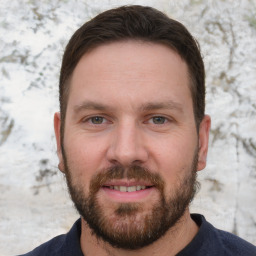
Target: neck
point(175, 239)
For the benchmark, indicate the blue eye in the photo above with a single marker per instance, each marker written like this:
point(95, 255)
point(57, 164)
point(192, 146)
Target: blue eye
point(158, 120)
point(97, 120)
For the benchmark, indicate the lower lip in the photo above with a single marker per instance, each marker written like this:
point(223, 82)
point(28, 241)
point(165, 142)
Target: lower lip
point(118, 196)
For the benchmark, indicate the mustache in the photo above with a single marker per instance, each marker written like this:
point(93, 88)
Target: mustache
point(134, 172)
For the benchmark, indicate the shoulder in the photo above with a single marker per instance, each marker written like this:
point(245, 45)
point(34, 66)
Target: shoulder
point(49, 248)
point(211, 241)
point(234, 245)
point(224, 243)
point(63, 245)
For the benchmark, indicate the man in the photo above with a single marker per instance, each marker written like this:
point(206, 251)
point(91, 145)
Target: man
point(131, 135)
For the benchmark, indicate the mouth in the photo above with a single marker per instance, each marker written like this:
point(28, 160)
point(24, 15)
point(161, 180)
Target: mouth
point(128, 188)
point(127, 192)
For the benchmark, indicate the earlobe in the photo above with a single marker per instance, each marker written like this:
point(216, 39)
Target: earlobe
point(57, 126)
point(204, 131)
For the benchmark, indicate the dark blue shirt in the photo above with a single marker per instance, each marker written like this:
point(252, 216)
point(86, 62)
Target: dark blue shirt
point(209, 241)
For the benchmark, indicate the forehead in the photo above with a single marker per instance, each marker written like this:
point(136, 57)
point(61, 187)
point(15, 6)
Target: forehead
point(135, 70)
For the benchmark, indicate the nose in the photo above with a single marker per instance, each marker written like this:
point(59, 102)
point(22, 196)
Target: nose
point(127, 146)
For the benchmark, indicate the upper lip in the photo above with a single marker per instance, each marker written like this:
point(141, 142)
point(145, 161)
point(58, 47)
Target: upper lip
point(127, 183)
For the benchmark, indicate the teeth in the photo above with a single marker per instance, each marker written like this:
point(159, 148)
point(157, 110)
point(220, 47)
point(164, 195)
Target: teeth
point(127, 189)
point(122, 189)
point(131, 189)
point(140, 187)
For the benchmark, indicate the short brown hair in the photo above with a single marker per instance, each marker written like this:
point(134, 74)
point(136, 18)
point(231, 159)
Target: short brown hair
point(135, 23)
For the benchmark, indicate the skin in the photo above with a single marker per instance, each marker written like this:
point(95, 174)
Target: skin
point(128, 84)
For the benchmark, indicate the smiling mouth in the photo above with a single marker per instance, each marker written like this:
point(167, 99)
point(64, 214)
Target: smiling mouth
point(127, 188)
point(127, 191)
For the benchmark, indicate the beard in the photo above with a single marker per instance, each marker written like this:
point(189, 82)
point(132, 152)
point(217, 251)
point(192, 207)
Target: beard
point(129, 225)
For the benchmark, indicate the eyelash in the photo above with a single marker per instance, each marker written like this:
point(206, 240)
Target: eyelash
point(149, 120)
point(90, 120)
point(159, 117)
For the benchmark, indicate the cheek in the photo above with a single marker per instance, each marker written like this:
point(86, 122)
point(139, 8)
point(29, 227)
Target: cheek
point(174, 156)
point(83, 158)
point(175, 148)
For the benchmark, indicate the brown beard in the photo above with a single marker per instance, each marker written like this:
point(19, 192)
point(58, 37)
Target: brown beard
point(129, 226)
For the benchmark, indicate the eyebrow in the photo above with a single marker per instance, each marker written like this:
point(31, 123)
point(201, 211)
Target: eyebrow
point(162, 105)
point(150, 106)
point(90, 105)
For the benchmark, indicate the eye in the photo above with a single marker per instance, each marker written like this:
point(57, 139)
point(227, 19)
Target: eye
point(97, 120)
point(158, 120)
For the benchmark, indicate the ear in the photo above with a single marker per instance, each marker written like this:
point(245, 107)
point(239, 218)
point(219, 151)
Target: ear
point(204, 131)
point(57, 124)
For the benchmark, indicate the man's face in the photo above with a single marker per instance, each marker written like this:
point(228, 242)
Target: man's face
point(131, 149)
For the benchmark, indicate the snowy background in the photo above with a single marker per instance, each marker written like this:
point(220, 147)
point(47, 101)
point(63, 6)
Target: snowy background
point(34, 202)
